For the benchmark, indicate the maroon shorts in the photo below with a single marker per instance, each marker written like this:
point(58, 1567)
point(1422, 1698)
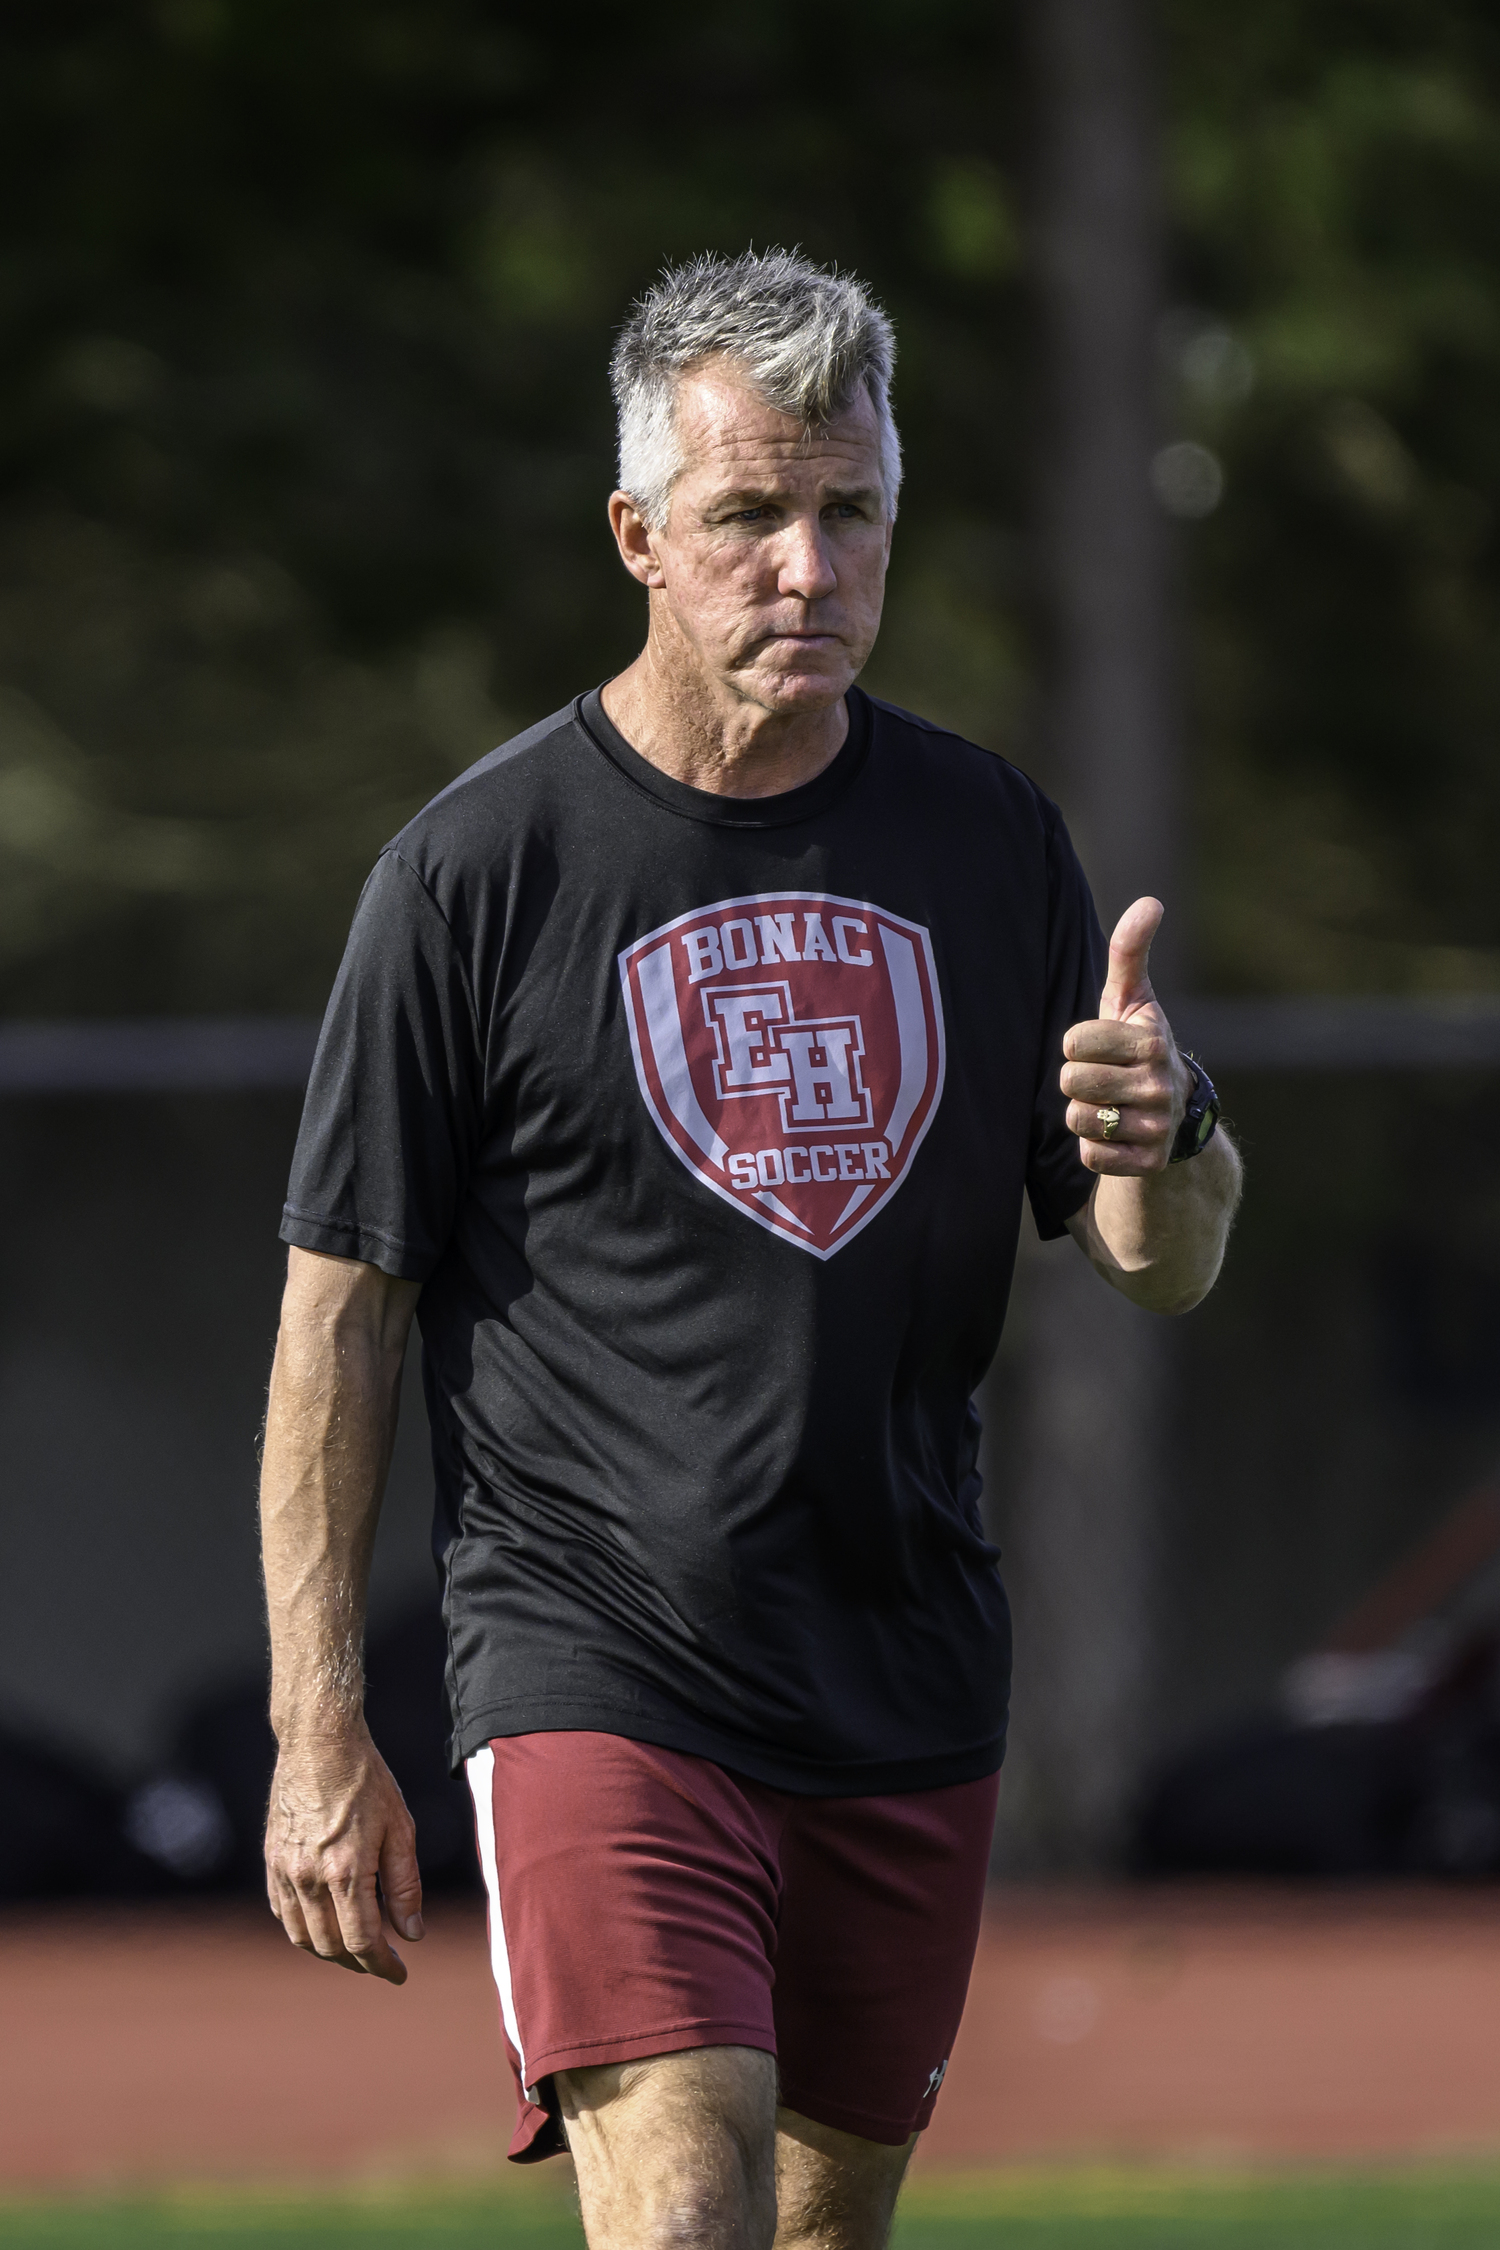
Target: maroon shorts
point(643, 1901)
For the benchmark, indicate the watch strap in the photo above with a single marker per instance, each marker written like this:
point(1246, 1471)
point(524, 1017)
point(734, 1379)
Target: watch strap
point(1200, 1119)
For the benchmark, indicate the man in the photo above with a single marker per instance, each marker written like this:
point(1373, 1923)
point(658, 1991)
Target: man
point(684, 1075)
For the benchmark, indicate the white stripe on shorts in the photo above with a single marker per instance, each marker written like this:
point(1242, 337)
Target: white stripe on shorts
point(481, 1772)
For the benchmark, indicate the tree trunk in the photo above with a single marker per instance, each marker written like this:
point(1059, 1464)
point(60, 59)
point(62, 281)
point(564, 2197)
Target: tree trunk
point(1083, 1538)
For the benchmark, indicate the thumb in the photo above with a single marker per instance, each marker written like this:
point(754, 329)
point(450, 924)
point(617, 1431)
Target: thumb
point(401, 1883)
point(1128, 985)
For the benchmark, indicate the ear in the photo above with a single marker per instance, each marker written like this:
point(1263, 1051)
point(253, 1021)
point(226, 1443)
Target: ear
point(636, 541)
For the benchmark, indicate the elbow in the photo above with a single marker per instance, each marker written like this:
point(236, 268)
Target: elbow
point(1164, 1306)
point(1169, 1296)
point(1189, 1295)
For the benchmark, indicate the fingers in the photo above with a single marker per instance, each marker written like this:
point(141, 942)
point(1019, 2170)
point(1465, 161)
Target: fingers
point(1128, 984)
point(307, 1917)
point(1139, 1143)
point(1142, 1086)
point(339, 1921)
point(365, 1946)
point(1142, 1041)
point(1118, 1124)
point(1115, 1160)
point(305, 1909)
point(288, 1913)
point(1145, 1093)
point(1134, 1070)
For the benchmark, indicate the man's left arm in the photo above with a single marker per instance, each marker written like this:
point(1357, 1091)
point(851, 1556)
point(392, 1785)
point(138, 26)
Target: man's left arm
point(1155, 1230)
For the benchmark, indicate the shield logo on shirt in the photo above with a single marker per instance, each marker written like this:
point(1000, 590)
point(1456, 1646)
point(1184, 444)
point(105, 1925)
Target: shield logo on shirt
point(790, 1048)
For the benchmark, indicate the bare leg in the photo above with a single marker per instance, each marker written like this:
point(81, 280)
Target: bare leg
point(834, 2191)
point(675, 2153)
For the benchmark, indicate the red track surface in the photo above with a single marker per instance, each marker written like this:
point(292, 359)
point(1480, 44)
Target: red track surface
point(146, 2047)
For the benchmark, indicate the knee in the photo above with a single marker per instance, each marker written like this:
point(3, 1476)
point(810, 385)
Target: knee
point(717, 2192)
point(693, 2215)
point(675, 2151)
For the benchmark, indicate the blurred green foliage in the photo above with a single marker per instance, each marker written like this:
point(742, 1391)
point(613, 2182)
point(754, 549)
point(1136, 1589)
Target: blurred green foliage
point(1335, 172)
point(305, 436)
point(306, 432)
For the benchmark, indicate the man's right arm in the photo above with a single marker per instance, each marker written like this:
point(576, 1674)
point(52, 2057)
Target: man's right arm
point(337, 1820)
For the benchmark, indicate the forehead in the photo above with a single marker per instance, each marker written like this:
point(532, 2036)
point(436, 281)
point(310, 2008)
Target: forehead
point(727, 431)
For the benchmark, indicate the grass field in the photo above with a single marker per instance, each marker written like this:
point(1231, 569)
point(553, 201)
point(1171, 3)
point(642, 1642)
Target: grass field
point(1137, 2209)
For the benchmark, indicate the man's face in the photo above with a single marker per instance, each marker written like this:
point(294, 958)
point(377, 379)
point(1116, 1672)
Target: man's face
point(774, 552)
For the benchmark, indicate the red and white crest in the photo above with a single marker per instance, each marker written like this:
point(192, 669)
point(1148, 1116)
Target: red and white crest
point(790, 1049)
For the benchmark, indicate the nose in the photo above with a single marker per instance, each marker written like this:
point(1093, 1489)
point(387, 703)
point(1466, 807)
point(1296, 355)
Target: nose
point(806, 567)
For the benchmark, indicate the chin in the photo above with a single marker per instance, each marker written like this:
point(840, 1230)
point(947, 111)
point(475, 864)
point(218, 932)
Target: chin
point(798, 694)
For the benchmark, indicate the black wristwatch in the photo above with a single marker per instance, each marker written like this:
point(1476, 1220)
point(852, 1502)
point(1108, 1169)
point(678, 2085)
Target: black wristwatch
point(1201, 1119)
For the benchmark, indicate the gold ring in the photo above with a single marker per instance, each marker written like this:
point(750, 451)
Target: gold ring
point(1109, 1120)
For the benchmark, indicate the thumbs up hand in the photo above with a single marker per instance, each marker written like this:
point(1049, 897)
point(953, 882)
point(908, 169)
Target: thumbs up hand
point(1126, 1060)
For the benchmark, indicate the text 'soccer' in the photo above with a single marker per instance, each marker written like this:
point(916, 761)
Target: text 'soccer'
point(790, 1049)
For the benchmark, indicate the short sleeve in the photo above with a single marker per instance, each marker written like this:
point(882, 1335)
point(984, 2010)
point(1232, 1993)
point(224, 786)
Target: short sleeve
point(1057, 1181)
point(391, 1118)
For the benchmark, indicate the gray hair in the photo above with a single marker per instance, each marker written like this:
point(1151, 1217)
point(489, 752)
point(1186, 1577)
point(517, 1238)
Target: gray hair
point(808, 337)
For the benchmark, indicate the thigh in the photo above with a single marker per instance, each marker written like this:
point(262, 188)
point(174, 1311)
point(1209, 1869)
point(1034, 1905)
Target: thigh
point(633, 1897)
point(834, 2191)
point(881, 1903)
point(677, 2148)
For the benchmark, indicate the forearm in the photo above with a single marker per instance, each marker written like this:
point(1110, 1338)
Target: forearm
point(330, 1427)
point(1159, 1237)
point(339, 1839)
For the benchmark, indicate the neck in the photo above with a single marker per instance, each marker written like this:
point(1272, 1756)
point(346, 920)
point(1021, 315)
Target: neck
point(702, 733)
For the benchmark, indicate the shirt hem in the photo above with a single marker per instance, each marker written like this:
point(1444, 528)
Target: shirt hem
point(773, 1769)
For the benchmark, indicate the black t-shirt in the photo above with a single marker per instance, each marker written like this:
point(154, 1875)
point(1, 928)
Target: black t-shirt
point(704, 1122)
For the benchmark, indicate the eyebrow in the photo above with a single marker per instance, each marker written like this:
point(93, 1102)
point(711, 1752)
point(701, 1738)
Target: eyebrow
point(758, 496)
